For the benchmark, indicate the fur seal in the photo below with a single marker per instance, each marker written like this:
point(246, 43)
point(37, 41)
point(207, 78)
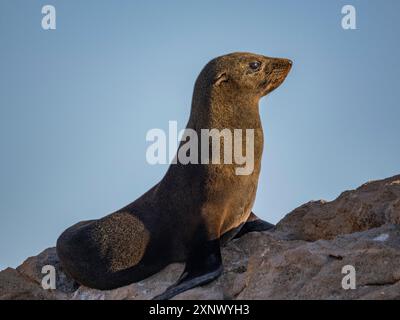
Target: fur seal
point(195, 208)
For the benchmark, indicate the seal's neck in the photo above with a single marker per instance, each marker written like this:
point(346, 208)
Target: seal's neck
point(227, 111)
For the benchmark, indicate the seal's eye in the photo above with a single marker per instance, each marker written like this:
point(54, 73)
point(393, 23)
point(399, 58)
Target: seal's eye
point(255, 65)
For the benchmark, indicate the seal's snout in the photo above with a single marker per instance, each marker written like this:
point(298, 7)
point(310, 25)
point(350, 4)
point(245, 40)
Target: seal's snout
point(282, 64)
point(290, 64)
point(276, 72)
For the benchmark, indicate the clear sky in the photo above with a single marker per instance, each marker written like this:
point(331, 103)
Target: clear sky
point(76, 102)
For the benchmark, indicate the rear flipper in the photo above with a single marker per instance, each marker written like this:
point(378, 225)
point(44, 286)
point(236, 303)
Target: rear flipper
point(254, 224)
point(203, 266)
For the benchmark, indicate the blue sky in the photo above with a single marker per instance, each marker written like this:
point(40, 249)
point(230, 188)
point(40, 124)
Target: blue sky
point(76, 103)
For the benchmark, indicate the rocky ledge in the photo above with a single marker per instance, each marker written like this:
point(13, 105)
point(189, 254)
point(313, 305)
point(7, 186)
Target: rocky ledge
point(302, 258)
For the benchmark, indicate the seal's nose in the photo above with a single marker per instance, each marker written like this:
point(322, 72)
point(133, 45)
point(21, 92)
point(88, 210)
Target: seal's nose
point(281, 63)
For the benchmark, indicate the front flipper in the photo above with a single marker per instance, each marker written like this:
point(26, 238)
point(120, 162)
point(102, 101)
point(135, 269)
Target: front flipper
point(252, 224)
point(203, 265)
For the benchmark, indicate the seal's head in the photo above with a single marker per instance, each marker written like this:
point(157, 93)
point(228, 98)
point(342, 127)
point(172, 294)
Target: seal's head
point(245, 74)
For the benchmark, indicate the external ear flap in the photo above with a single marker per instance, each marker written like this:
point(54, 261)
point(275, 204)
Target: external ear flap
point(220, 78)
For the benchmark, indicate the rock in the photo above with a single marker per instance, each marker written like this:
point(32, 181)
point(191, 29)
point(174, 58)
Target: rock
point(302, 258)
point(14, 286)
point(370, 206)
point(32, 268)
point(313, 270)
point(143, 290)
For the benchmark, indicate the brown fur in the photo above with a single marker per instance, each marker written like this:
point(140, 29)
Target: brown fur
point(193, 202)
